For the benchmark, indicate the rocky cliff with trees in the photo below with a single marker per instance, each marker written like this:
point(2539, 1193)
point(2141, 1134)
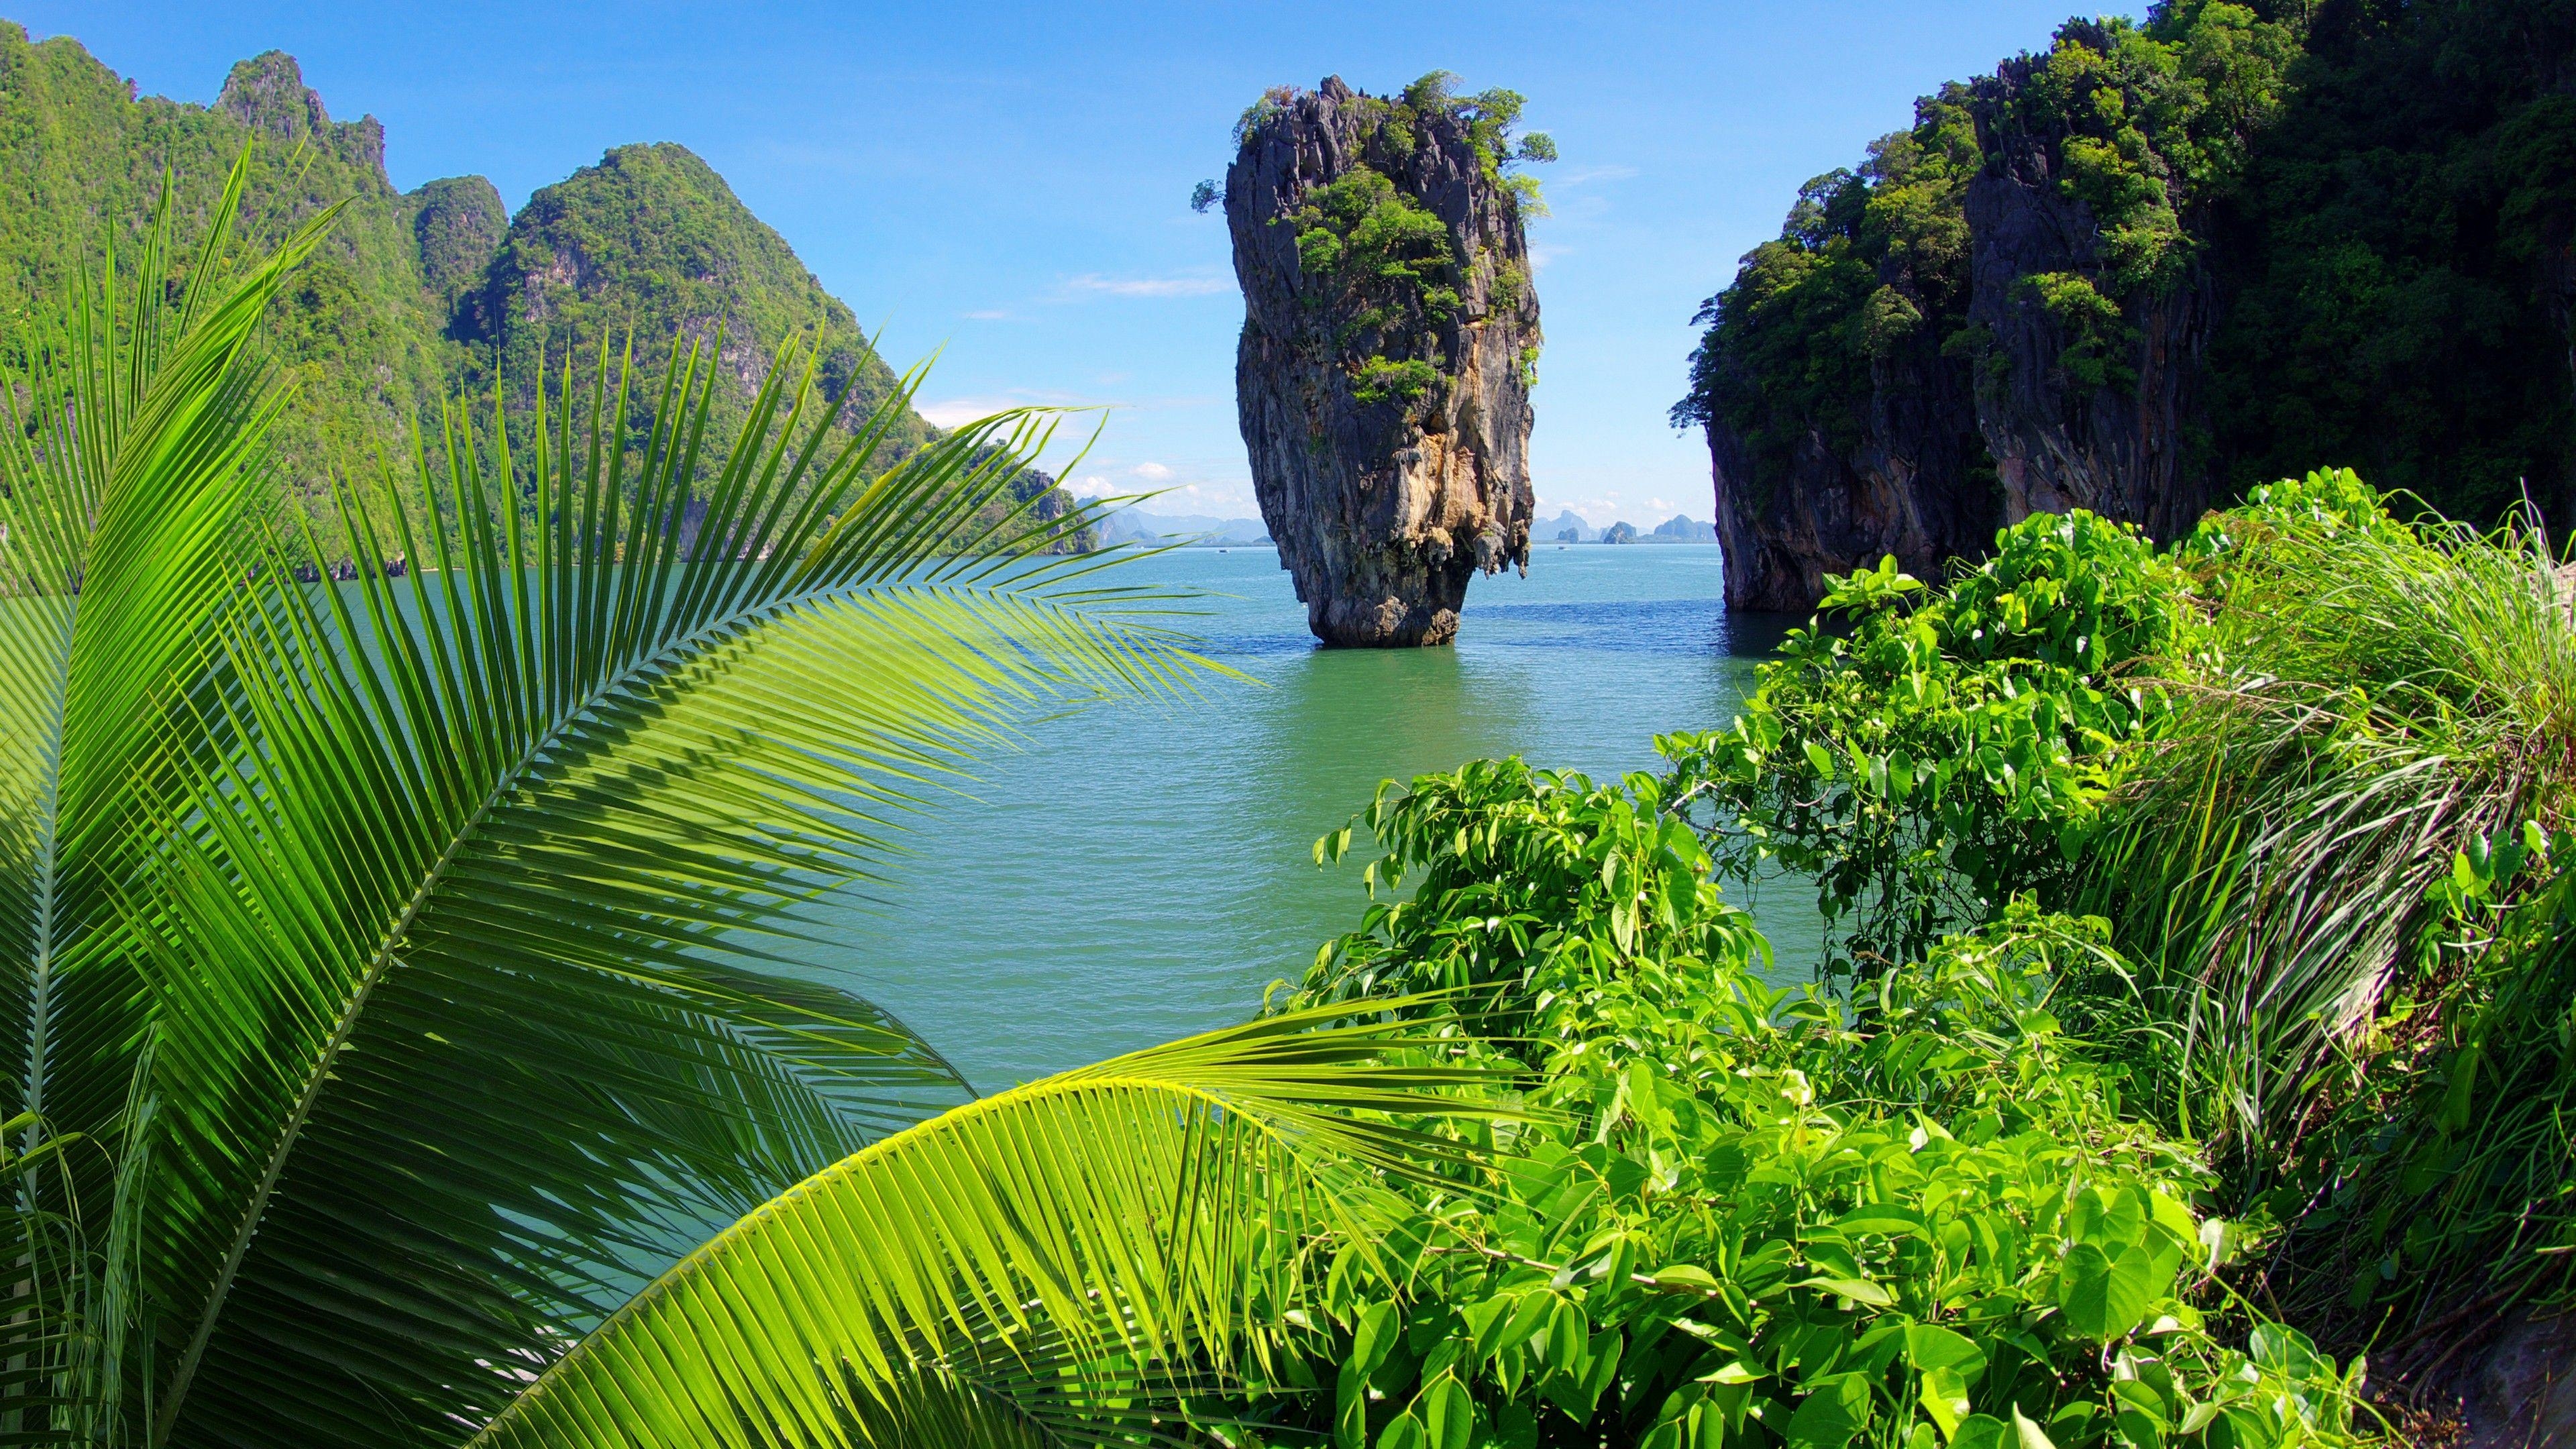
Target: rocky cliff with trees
point(2150, 266)
point(1390, 339)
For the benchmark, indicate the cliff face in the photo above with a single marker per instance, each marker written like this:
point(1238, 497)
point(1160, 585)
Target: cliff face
point(1915, 483)
point(2170, 260)
point(1838, 401)
point(1388, 421)
point(2075, 417)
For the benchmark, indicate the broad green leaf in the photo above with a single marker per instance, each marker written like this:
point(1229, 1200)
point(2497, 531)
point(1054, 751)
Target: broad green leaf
point(1834, 1412)
point(1448, 1414)
point(1929, 1346)
point(1885, 1219)
point(1683, 1275)
point(1858, 1290)
point(1944, 1396)
point(1379, 1327)
point(1983, 1431)
point(2104, 1298)
point(1820, 758)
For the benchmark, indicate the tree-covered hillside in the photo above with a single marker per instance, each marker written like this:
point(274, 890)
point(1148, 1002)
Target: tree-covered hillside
point(651, 239)
point(2153, 264)
point(415, 297)
point(82, 157)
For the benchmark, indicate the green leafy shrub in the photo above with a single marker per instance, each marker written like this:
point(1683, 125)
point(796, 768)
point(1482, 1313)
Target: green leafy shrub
point(1950, 748)
point(1400, 382)
point(2098, 340)
point(1737, 1213)
point(2152, 122)
point(2310, 766)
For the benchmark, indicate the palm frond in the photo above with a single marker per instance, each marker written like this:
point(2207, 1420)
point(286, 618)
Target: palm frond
point(465, 1021)
point(1045, 1266)
point(132, 434)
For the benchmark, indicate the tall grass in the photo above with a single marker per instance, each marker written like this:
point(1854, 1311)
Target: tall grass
point(2375, 705)
point(2345, 870)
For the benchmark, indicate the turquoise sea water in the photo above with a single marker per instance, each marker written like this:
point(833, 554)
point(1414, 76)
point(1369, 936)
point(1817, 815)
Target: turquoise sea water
point(1140, 870)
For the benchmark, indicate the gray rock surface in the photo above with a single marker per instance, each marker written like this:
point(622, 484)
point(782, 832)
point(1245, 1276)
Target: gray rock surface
point(2058, 444)
point(1382, 510)
point(1915, 487)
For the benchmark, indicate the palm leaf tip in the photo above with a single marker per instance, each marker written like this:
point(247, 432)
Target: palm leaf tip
point(1056, 1261)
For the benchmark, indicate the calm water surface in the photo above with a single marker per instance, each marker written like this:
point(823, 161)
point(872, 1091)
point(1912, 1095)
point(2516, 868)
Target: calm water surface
point(1140, 871)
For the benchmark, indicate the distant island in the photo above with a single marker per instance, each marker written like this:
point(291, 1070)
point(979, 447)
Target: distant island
point(1569, 527)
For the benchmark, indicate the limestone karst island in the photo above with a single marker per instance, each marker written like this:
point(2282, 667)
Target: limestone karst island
point(838, 726)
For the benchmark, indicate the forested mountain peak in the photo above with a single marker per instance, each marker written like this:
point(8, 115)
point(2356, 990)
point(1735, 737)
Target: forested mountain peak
point(267, 94)
point(416, 298)
point(458, 222)
point(652, 239)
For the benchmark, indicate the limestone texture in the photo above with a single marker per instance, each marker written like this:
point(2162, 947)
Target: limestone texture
point(2119, 449)
point(1385, 501)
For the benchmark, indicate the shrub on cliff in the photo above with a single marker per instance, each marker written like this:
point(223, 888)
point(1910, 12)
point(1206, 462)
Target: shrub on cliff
point(1866, 261)
point(1952, 746)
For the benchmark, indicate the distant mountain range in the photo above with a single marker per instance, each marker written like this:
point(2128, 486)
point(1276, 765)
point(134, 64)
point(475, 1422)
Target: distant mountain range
point(1569, 527)
point(1131, 525)
point(1136, 524)
point(418, 297)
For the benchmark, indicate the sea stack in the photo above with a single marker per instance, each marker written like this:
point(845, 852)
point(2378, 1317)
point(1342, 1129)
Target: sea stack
point(1390, 338)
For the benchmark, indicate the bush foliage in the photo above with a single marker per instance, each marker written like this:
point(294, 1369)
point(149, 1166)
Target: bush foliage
point(2126, 1024)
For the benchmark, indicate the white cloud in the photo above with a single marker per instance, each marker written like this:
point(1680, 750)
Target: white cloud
point(1090, 485)
point(1154, 471)
point(1199, 286)
point(1541, 256)
point(1226, 500)
point(950, 412)
point(1559, 180)
point(990, 314)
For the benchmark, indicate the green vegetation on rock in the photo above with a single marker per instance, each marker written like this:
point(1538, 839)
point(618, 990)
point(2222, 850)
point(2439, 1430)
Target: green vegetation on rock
point(1386, 267)
point(2379, 198)
point(1867, 262)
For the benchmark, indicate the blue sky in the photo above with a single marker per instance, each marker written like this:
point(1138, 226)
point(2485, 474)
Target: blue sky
point(1010, 183)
